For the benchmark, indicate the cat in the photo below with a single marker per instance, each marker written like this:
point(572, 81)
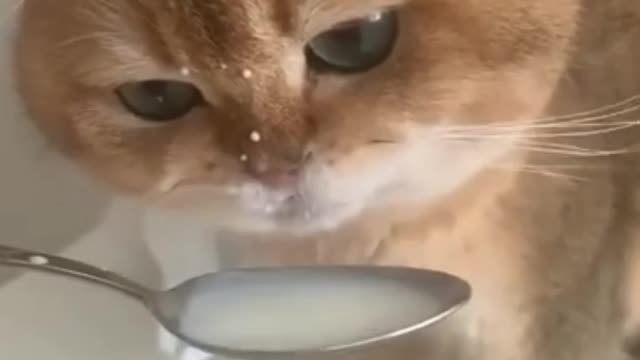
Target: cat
point(493, 140)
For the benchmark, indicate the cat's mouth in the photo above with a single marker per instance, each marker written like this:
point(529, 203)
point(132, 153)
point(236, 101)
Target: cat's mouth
point(327, 195)
point(297, 208)
point(254, 207)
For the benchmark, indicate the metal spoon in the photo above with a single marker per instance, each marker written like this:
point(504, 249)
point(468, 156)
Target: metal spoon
point(228, 295)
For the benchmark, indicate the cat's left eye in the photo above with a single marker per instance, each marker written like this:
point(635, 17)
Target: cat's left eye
point(355, 46)
point(159, 100)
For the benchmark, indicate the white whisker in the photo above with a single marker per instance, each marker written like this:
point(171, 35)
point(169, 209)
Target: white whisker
point(577, 149)
point(588, 122)
point(592, 111)
point(474, 135)
point(576, 153)
point(527, 169)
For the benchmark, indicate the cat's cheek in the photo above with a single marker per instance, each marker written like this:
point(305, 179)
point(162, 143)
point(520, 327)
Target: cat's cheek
point(422, 168)
point(430, 166)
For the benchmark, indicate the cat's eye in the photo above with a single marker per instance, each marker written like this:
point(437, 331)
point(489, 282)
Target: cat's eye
point(159, 100)
point(355, 46)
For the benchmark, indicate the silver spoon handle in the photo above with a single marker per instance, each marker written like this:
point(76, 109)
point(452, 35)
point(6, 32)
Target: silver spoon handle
point(15, 257)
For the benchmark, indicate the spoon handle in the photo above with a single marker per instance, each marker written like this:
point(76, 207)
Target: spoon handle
point(15, 257)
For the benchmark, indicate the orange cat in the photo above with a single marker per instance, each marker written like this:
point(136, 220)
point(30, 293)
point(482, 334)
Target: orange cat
point(491, 139)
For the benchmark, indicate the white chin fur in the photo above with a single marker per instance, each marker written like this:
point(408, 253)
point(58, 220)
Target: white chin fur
point(255, 209)
point(418, 170)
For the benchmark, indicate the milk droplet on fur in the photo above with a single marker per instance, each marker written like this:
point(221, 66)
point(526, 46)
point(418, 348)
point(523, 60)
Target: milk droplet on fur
point(244, 157)
point(255, 137)
point(247, 74)
point(185, 71)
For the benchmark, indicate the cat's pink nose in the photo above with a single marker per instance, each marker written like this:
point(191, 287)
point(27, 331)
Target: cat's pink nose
point(278, 178)
point(274, 173)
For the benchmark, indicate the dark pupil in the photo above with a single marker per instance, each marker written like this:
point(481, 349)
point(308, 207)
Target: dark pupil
point(159, 100)
point(356, 46)
point(159, 89)
point(350, 43)
point(168, 97)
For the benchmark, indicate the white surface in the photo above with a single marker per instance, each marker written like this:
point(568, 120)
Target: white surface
point(50, 318)
point(46, 205)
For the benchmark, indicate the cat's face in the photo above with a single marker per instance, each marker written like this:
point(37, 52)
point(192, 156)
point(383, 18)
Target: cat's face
point(289, 113)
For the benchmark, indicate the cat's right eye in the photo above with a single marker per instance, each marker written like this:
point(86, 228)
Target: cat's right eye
point(159, 100)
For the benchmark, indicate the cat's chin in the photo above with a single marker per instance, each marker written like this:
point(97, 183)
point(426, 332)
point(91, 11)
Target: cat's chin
point(299, 221)
point(252, 209)
point(285, 221)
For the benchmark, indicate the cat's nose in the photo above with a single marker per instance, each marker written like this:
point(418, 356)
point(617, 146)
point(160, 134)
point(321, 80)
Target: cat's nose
point(274, 174)
point(278, 179)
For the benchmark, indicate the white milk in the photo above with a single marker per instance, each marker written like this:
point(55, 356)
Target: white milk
point(297, 316)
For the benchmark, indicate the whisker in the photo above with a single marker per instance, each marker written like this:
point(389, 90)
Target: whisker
point(568, 147)
point(577, 123)
point(576, 153)
point(539, 171)
point(588, 121)
point(592, 111)
point(558, 149)
point(488, 135)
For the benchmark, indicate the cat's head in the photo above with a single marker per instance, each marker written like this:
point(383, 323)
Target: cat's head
point(294, 114)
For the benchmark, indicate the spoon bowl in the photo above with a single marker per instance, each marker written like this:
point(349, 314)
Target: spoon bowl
point(284, 312)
